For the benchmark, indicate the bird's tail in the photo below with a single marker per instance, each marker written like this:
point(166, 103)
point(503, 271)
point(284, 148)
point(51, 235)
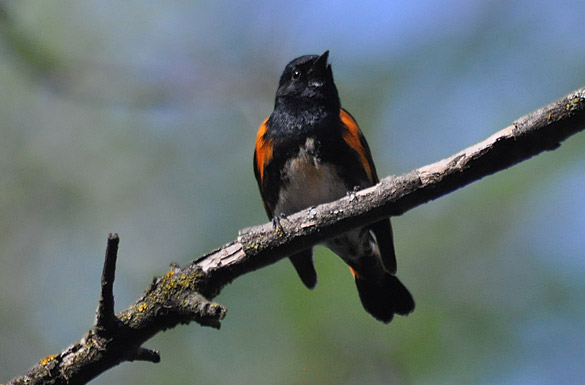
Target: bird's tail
point(381, 293)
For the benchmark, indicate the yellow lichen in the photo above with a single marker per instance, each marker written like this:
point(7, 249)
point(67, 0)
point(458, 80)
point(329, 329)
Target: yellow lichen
point(46, 360)
point(169, 274)
point(573, 104)
point(186, 281)
point(168, 283)
point(142, 307)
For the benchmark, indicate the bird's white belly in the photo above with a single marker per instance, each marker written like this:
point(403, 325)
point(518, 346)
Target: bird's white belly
point(310, 182)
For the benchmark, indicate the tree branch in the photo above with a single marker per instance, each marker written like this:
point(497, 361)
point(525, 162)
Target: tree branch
point(182, 295)
point(105, 317)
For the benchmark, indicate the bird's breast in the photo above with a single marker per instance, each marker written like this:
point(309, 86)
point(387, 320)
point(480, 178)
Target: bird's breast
point(308, 181)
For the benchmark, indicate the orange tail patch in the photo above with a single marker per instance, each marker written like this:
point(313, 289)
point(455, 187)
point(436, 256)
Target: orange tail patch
point(354, 273)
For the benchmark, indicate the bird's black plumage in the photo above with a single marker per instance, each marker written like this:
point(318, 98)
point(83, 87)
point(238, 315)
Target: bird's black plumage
point(311, 151)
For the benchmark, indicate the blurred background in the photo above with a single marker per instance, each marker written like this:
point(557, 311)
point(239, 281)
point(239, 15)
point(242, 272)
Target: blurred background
point(139, 117)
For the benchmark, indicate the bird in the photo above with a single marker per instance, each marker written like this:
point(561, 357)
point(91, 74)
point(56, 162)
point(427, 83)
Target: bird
point(311, 151)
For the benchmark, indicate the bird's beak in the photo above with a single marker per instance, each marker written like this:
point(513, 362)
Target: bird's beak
point(321, 63)
point(320, 71)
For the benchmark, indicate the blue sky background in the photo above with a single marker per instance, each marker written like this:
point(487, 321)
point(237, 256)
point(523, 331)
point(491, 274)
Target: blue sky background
point(139, 117)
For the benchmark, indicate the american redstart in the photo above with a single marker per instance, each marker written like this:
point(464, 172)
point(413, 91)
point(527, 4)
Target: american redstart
point(311, 151)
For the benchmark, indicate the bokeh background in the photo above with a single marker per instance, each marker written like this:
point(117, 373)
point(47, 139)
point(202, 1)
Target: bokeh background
point(139, 117)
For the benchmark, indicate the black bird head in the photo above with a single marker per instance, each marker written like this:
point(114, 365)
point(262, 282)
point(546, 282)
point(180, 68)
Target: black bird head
point(307, 82)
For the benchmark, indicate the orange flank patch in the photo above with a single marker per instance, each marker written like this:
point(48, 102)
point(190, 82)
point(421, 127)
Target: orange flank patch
point(353, 137)
point(263, 149)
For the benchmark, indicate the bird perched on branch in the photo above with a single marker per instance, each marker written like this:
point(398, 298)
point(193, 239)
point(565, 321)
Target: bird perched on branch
point(311, 151)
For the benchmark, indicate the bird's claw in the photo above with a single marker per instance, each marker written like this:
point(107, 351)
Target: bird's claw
point(277, 223)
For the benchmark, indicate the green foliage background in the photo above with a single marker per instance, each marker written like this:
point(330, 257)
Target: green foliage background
point(139, 117)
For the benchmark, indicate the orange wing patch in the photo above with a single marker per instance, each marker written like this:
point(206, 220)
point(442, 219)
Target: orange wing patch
point(353, 137)
point(263, 149)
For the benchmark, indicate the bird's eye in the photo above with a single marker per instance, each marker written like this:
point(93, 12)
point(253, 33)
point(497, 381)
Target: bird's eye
point(296, 75)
